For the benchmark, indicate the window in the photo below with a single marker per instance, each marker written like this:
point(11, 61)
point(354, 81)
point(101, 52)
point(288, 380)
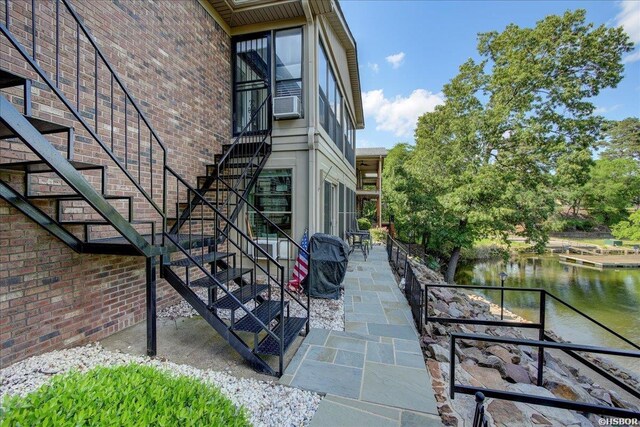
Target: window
point(288, 62)
point(272, 195)
point(334, 117)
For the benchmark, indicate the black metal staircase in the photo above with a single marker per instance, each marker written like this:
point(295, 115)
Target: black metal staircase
point(194, 233)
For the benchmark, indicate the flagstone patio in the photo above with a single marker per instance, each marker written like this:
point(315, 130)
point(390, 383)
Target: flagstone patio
point(373, 373)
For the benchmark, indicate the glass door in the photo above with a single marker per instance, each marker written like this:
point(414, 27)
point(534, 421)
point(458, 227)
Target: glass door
point(251, 82)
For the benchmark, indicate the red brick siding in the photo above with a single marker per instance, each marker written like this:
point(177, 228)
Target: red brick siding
point(175, 61)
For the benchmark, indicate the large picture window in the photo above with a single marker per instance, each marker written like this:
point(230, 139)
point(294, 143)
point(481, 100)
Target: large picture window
point(272, 195)
point(333, 114)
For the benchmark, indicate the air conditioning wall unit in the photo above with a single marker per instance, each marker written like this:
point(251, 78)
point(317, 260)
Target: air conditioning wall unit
point(277, 248)
point(269, 246)
point(287, 107)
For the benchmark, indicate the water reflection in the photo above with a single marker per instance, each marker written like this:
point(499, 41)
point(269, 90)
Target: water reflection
point(610, 296)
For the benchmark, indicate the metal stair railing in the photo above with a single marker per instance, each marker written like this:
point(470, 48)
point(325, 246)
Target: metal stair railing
point(240, 243)
point(115, 82)
point(280, 236)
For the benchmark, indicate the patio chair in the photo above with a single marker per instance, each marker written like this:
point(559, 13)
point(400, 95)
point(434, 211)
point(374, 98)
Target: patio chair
point(358, 239)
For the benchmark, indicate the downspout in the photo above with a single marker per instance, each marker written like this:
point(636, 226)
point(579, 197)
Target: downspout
point(311, 38)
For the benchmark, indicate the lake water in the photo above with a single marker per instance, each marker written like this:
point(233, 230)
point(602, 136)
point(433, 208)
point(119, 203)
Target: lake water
point(610, 296)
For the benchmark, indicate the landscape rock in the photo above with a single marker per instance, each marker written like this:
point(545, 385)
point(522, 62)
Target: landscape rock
point(505, 413)
point(516, 373)
point(438, 352)
point(540, 420)
point(505, 355)
point(487, 377)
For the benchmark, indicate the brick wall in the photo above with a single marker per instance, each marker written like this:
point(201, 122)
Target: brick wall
point(175, 61)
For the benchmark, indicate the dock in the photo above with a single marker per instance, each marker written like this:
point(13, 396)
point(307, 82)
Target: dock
point(601, 261)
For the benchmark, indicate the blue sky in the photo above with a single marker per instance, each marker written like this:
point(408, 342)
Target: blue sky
point(408, 50)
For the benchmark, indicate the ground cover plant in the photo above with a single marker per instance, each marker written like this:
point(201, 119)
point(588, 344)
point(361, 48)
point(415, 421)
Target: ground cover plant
point(130, 395)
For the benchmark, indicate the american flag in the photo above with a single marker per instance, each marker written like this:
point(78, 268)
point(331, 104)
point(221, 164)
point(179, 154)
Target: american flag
point(301, 268)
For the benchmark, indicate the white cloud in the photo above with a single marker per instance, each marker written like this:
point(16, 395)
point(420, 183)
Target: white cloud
point(603, 110)
point(399, 115)
point(632, 57)
point(374, 67)
point(629, 19)
point(396, 60)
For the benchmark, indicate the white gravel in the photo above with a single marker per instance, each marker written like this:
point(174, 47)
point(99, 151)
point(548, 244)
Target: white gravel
point(268, 404)
point(325, 313)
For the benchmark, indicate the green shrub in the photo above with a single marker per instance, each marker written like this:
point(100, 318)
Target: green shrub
point(130, 395)
point(378, 234)
point(364, 223)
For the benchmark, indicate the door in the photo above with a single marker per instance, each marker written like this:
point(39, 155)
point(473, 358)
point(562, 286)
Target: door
point(251, 82)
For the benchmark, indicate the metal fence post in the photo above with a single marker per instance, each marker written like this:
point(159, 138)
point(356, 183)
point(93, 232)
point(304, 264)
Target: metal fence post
point(543, 301)
point(478, 416)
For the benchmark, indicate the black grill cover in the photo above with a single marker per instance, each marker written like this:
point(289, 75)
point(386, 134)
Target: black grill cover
point(328, 265)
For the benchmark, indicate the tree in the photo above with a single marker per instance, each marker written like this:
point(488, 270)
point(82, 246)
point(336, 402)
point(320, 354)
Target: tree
point(622, 139)
point(614, 186)
point(628, 229)
point(484, 158)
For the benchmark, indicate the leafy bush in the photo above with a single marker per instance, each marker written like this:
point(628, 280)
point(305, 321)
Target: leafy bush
point(564, 224)
point(378, 234)
point(364, 223)
point(628, 229)
point(130, 395)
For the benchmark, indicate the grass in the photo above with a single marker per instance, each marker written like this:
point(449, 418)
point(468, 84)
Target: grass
point(130, 395)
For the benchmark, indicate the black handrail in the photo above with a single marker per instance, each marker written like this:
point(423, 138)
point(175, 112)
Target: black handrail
point(220, 285)
point(93, 132)
point(264, 217)
point(217, 212)
point(245, 131)
point(535, 399)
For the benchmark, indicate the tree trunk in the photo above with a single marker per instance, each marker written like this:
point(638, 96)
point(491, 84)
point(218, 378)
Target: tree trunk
point(425, 242)
point(453, 264)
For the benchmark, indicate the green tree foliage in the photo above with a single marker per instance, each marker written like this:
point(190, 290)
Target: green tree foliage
point(622, 139)
point(405, 197)
point(628, 229)
point(614, 185)
point(483, 161)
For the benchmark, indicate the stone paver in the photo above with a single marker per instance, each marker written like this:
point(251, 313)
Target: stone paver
point(373, 373)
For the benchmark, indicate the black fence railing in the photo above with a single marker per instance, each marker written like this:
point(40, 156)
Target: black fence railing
point(536, 399)
point(397, 255)
point(414, 294)
point(399, 260)
point(539, 325)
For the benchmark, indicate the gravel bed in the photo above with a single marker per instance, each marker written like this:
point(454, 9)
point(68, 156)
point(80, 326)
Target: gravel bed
point(325, 313)
point(268, 404)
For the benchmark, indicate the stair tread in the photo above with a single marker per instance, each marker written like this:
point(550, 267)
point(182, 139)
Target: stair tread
point(74, 197)
point(222, 277)
point(43, 126)
point(266, 312)
point(292, 327)
point(232, 165)
point(244, 294)
point(201, 259)
point(8, 79)
point(38, 166)
point(183, 239)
